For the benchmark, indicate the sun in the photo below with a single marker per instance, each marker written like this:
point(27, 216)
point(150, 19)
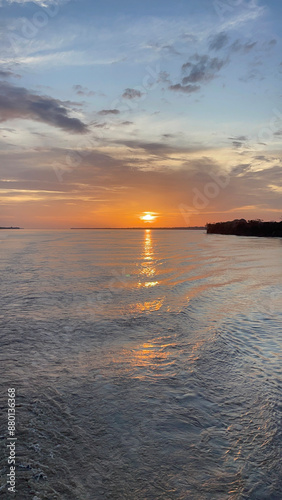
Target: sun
point(148, 217)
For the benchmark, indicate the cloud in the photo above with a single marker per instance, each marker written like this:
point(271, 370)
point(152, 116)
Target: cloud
point(240, 138)
point(169, 136)
point(149, 147)
point(159, 148)
point(187, 89)
point(83, 91)
point(253, 74)
point(132, 94)
point(167, 48)
point(262, 158)
point(105, 112)
point(203, 70)
point(246, 15)
point(98, 125)
point(41, 3)
point(185, 66)
point(239, 141)
point(101, 181)
point(200, 69)
point(237, 46)
point(163, 77)
point(218, 41)
point(171, 50)
point(18, 102)
point(8, 129)
point(6, 73)
point(189, 37)
point(241, 169)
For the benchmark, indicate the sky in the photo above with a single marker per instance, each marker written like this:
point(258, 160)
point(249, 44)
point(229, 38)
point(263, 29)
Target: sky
point(114, 110)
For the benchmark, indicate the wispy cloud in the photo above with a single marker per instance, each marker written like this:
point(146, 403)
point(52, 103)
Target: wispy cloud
point(243, 15)
point(83, 91)
point(41, 3)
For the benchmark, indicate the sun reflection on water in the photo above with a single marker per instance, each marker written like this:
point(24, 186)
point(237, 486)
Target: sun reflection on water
point(147, 279)
point(152, 305)
point(148, 354)
point(151, 357)
point(148, 264)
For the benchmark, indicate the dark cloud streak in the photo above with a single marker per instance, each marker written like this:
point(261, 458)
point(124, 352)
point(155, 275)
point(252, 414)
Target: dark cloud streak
point(237, 46)
point(199, 70)
point(132, 94)
point(18, 102)
point(203, 70)
point(218, 41)
point(105, 112)
point(187, 89)
point(6, 73)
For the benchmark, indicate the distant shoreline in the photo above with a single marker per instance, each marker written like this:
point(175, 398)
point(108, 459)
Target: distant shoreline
point(10, 227)
point(241, 227)
point(137, 228)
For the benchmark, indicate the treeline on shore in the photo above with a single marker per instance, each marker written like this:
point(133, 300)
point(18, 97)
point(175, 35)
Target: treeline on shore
point(241, 227)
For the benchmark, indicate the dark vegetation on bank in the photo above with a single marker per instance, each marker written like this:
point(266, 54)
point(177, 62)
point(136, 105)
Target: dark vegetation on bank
point(241, 227)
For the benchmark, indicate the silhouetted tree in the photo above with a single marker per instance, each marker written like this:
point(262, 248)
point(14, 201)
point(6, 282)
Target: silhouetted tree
point(241, 227)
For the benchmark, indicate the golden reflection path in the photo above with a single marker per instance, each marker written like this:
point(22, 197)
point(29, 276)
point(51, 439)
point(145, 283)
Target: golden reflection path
point(148, 264)
point(147, 275)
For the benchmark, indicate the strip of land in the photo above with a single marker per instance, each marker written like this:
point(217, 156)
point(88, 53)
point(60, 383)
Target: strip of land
point(241, 227)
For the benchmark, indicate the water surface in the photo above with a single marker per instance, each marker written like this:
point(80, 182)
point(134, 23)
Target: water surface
point(146, 364)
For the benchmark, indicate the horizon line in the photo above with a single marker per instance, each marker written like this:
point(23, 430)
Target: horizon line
point(130, 228)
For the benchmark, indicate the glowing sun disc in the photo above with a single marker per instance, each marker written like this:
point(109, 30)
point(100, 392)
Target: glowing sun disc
point(148, 217)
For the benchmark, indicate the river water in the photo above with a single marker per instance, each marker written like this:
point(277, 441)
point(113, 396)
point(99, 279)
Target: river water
point(146, 364)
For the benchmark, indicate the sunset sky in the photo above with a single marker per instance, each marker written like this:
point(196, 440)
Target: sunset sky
point(111, 110)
